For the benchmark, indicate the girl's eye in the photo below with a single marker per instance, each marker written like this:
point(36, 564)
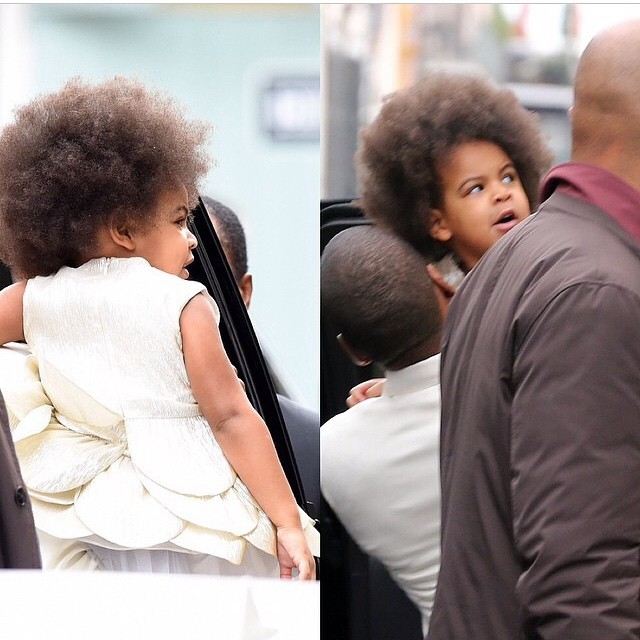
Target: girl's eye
point(185, 221)
point(477, 188)
point(509, 178)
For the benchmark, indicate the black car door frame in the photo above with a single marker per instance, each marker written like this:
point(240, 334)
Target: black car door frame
point(210, 267)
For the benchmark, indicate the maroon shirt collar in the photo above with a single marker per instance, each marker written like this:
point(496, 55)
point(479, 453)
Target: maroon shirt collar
point(599, 187)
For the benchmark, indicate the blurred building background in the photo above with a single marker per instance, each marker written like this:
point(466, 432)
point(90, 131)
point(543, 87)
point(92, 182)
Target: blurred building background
point(371, 50)
point(253, 70)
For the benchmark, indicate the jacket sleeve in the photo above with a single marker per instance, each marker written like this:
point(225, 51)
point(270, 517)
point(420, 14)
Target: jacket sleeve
point(575, 455)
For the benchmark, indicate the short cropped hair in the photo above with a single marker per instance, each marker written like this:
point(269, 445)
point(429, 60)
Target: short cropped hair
point(231, 234)
point(376, 292)
point(401, 152)
point(75, 160)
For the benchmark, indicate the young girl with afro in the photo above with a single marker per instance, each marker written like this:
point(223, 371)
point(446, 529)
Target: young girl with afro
point(451, 165)
point(137, 442)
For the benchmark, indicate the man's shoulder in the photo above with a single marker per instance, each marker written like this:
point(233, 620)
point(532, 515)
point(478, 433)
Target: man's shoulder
point(340, 422)
point(346, 431)
point(357, 415)
point(566, 242)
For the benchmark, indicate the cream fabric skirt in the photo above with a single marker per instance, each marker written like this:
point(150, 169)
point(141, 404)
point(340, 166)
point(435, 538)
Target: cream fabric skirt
point(255, 563)
point(82, 556)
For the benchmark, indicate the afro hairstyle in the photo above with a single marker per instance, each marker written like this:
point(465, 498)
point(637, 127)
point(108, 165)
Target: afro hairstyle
point(400, 152)
point(75, 160)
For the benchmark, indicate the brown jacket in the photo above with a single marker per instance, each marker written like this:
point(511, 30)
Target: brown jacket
point(18, 541)
point(541, 436)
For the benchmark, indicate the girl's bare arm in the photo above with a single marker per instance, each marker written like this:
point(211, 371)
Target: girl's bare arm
point(11, 313)
point(239, 429)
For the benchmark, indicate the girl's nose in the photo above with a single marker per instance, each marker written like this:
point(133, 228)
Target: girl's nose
point(502, 192)
point(193, 241)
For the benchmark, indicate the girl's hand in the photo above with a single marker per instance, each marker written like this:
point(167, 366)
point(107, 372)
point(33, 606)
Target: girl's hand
point(293, 553)
point(368, 389)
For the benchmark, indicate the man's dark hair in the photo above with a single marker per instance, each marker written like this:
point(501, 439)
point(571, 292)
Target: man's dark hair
point(231, 234)
point(375, 291)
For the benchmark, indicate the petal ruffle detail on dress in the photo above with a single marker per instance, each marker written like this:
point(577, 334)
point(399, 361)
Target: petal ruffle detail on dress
point(116, 506)
point(78, 411)
point(25, 394)
point(187, 460)
point(224, 512)
point(36, 421)
point(58, 459)
point(264, 534)
point(58, 520)
point(214, 543)
point(63, 497)
point(142, 482)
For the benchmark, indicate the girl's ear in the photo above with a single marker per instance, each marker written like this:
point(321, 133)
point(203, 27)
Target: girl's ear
point(438, 227)
point(120, 233)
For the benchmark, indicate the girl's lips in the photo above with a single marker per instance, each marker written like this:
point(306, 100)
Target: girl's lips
point(507, 225)
point(506, 221)
point(185, 272)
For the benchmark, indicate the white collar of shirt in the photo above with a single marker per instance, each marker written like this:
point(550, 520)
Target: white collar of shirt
point(415, 377)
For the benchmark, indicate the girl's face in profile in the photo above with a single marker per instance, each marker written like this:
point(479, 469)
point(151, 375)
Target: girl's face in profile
point(482, 199)
point(168, 244)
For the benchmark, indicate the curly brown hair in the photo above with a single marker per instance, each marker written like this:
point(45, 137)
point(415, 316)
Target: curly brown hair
point(400, 153)
point(75, 160)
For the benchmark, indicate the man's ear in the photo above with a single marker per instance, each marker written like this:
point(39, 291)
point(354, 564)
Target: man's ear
point(121, 234)
point(358, 358)
point(438, 227)
point(246, 288)
point(443, 290)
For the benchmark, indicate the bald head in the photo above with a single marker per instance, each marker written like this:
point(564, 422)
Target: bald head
point(606, 111)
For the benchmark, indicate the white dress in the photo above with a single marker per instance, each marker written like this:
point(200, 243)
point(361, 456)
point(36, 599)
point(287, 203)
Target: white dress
point(122, 468)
